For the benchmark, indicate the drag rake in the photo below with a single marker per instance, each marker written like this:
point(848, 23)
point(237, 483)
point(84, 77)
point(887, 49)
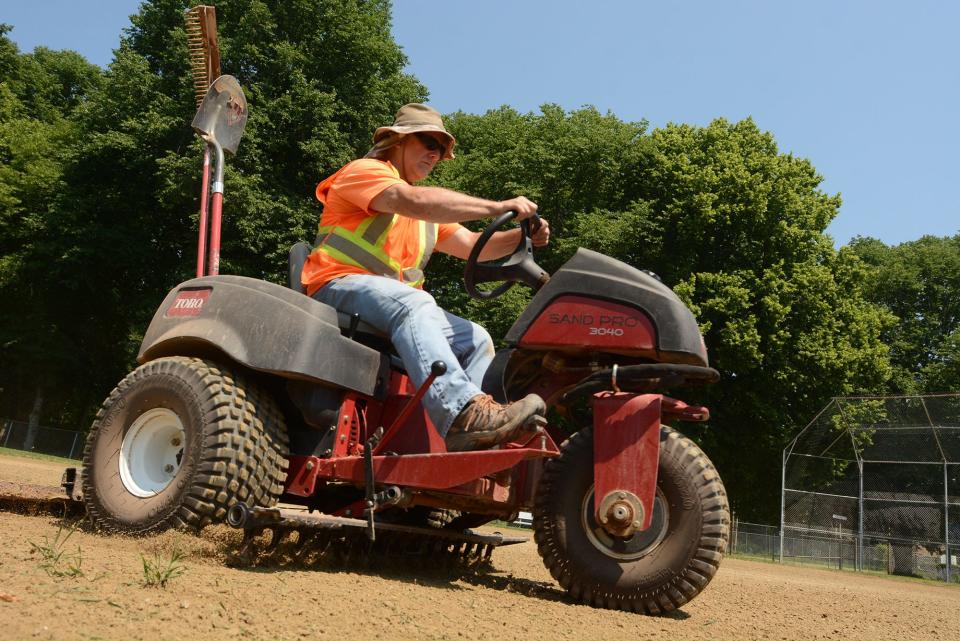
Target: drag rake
point(281, 537)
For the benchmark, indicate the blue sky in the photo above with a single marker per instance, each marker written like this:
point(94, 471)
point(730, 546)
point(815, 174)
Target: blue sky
point(867, 91)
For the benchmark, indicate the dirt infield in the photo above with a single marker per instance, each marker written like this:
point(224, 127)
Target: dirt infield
point(33, 471)
point(96, 591)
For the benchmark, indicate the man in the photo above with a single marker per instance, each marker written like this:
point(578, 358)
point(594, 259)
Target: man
point(377, 232)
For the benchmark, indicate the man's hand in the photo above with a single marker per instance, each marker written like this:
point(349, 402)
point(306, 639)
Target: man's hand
point(502, 243)
point(524, 207)
point(540, 235)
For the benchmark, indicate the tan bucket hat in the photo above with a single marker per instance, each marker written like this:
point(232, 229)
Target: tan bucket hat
point(415, 117)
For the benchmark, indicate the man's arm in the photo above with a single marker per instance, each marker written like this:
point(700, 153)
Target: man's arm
point(439, 205)
point(501, 244)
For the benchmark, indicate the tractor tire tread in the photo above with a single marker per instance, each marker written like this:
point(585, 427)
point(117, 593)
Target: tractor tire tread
point(680, 587)
point(242, 451)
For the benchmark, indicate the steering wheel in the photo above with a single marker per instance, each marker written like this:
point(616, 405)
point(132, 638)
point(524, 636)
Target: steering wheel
point(518, 268)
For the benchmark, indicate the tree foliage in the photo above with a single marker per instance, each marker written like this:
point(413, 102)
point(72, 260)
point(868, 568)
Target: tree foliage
point(735, 226)
point(100, 195)
point(40, 343)
point(918, 282)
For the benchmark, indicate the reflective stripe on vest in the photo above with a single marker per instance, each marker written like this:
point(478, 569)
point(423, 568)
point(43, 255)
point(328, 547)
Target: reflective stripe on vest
point(363, 247)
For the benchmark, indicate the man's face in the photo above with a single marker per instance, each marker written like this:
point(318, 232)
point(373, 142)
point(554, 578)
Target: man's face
point(421, 152)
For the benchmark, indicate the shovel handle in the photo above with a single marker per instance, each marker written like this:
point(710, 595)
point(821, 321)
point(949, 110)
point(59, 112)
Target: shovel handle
point(204, 208)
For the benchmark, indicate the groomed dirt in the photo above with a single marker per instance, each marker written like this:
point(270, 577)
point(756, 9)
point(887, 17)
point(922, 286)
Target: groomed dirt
point(97, 591)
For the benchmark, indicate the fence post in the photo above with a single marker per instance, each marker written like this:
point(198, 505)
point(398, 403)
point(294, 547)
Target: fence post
point(76, 434)
point(734, 534)
point(783, 499)
point(859, 563)
point(9, 429)
point(946, 516)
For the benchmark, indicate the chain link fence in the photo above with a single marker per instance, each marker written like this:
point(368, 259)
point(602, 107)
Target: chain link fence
point(839, 551)
point(755, 541)
point(48, 440)
point(873, 484)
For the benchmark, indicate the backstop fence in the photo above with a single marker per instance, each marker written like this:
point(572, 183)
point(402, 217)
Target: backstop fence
point(48, 440)
point(873, 484)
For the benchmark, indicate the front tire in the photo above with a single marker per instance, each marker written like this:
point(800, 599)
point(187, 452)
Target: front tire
point(177, 443)
point(654, 571)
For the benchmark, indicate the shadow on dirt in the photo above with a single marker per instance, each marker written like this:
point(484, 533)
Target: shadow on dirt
point(444, 573)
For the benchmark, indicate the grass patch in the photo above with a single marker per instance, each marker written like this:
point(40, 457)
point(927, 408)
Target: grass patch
point(55, 558)
point(509, 524)
point(6, 451)
point(157, 572)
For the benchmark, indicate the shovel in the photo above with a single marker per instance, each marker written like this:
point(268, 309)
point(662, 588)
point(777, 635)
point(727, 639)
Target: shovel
point(220, 122)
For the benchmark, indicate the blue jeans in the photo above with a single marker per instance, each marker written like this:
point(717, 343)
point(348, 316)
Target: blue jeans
point(422, 333)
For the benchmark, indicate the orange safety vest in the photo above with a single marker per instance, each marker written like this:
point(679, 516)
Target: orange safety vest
point(364, 247)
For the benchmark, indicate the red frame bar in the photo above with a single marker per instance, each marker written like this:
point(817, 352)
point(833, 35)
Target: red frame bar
point(626, 448)
point(400, 421)
point(436, 471)
point(676, 409)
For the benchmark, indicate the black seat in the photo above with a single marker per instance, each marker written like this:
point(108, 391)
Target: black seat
point(297, 258)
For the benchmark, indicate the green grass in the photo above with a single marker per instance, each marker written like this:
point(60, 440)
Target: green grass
point(55, 558)
point(508, 524)
point(6, 451)
point(157, 572)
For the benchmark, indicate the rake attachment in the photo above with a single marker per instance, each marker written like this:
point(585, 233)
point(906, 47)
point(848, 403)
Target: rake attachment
point(276, 536)
point(201, 23)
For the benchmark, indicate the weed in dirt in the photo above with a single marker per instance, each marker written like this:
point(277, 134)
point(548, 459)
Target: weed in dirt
point(158, 572)
point(55, 558)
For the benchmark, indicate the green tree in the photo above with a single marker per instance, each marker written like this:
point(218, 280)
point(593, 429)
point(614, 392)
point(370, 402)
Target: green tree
point(120, 228)
point(919, 282)
point(39, 94)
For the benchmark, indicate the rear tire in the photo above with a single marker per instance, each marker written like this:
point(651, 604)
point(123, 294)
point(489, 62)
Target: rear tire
point(654, 571)
point(177, 443)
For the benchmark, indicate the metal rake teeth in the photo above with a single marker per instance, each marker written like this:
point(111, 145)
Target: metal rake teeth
point(284, 537)
point(284, 547)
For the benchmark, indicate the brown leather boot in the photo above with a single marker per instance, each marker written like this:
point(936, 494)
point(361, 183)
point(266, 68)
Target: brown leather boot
point(484, 423)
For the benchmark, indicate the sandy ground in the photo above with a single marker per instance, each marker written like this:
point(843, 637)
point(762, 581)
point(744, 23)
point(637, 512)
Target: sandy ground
point(26, 470)
point(97, 591)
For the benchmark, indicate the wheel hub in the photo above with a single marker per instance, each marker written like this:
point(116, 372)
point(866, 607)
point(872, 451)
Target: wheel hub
point(151, 452)
point(620, 537)
point(621, 513)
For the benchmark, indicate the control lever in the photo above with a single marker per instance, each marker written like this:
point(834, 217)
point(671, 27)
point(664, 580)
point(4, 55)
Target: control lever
point(373, 445)
point(371, 500)
point(438, 368)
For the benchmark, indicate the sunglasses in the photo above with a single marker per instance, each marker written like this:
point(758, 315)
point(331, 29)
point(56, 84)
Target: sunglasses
point(431, 143)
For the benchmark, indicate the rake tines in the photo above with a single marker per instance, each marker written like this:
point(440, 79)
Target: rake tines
point(201, 27)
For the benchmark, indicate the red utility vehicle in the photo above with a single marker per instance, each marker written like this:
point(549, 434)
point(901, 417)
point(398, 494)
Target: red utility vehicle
point(249, 394)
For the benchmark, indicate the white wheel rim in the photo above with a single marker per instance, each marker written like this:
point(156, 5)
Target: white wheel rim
point(151, 452)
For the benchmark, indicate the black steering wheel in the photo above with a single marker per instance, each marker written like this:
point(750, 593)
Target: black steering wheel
point(519, 267)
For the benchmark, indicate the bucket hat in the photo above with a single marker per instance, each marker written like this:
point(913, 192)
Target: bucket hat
point(415, 117)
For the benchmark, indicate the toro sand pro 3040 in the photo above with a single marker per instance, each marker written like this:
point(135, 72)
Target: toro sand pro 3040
point(250, 394)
